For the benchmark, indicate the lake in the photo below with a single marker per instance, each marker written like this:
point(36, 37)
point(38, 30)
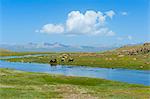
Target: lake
point(123, 75)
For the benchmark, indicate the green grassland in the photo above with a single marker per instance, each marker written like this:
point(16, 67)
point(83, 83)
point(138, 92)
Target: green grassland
point(27, 85)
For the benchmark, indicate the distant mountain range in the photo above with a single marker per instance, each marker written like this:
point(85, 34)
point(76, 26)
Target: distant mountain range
point(54, 47)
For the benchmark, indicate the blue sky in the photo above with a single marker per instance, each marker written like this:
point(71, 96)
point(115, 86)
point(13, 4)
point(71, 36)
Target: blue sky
point(24, 21)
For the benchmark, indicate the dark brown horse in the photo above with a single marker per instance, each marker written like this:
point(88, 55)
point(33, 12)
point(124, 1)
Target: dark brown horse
point(53, 61)
point(70, 60)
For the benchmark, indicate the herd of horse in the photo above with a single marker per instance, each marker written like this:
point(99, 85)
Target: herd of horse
point(63, 58)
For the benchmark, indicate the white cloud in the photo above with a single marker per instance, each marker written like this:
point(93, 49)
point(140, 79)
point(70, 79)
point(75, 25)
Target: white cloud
point(89, 23)
point(77, 23)
point(110, 13)
point(124, 13)
point(129, 37)
point(51, 28)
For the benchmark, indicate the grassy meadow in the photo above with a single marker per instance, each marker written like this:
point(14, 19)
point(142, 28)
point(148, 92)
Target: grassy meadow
point(27, 85)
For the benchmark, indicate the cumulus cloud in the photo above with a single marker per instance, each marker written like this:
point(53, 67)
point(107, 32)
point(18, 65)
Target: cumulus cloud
point(89, 23)
point(77, 23)
point(51, 28)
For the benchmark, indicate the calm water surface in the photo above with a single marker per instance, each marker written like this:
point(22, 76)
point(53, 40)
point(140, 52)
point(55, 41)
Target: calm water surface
point(123, 75)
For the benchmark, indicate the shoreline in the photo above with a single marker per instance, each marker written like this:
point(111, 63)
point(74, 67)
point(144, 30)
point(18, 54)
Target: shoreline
point(123, 63)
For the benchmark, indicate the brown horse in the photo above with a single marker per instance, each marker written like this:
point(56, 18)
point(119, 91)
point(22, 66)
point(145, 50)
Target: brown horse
point(53, 61)
point(70, 60)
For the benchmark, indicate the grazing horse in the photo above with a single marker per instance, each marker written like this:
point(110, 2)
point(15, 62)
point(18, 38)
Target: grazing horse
point(70, 60)
point(62, 59)
point(53, 61)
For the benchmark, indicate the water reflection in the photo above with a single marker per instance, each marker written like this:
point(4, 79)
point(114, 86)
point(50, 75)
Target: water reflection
point(53, 64)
